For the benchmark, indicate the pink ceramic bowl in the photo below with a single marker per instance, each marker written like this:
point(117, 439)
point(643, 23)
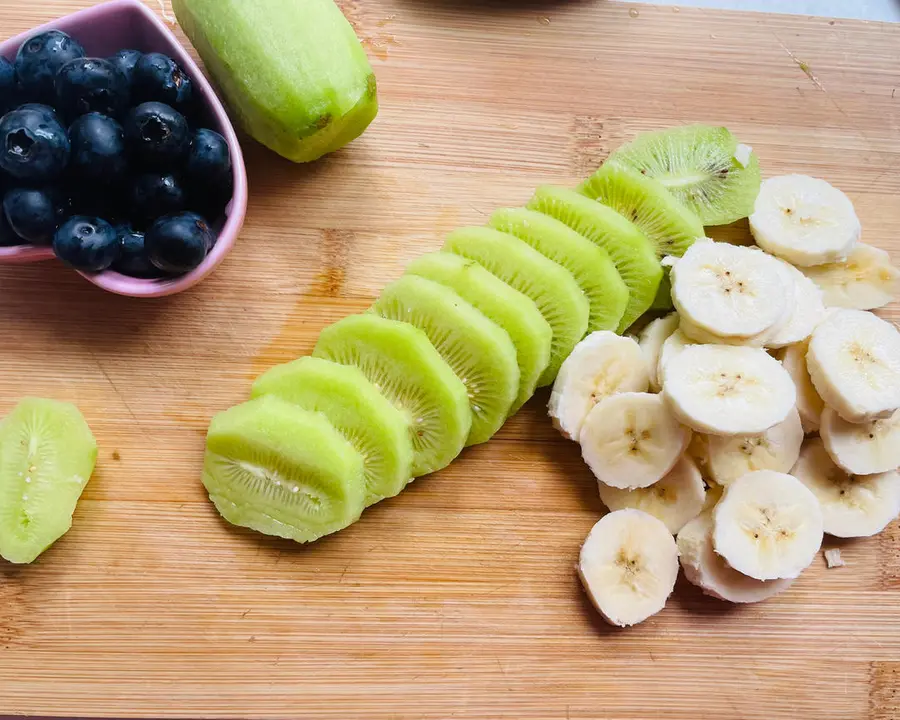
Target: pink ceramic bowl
point(103, 30)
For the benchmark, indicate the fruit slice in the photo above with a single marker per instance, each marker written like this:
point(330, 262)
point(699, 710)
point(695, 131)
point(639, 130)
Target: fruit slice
point(854, 362)
point(702, 166)
point(804, 220)
point(671, 226)
point(367, 420)
point(47, 455)
point(281, 470)
point(511, 310)
point(674, 500)
point(630, 250)
point(768, 526)
point(600, 365)
point(404, 366)
point(628, 566)
point(726, 390)
point(708, 571)
point(671, 348)
point(651, 342)
point(551, 287)
point(864, 281)
point(589, 264)
point(631, 440)
point(852, 505)
point(862, 448)
point(806, 310)
point(809, 404)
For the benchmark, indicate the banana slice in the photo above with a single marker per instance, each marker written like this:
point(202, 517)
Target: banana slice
point(854, 363)
point(729, 290)
point(725, 390)
point(671, 348)
point(698, 450)
point(852, 505)
point(699, 335)
point(714, 493)
point(804, 220)
point(631, 440)
point(600, 365)
point(864, 281)
point(674, 500)
point(778, 448)
point(651, 341)
point(628, 566)
point(864, 448)
point(807, 310)
point(809, 404)
point(768, 526)
point(712, 574)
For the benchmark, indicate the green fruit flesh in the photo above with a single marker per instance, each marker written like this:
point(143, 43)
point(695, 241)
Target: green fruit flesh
point(366, 419)
point(403, 365)
point(696, 163)
point(663, 299)
point(511, 310)
point(292, 71)
point(479, 351)
point(632, 253)
point(550, 286)
point(589, 264)
point(47, 455)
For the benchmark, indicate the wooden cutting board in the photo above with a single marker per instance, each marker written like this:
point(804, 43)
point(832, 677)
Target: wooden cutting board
point(458, 598)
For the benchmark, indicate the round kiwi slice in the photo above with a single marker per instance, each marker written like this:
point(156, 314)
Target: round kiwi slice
point(281, 470)
point(402, 364)
point(589, 264)
point(630, 249)
point(47, 455)
point(550, 286)
point(701, 166)
point(479, 351)
point(370, 423)
point(669, 224)
point(511, 310)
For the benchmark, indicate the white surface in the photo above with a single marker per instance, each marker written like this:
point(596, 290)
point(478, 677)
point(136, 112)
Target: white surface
point(888, 10)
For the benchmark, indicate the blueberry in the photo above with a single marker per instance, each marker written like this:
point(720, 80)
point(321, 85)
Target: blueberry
point(34, 215)
point(87, 243)
point(158, 77)
point(179, 243)
point(156, 194)
point(33, 145)
point(45, 110)
point(8, 237)
point(125, 60)
point(158, 135)
point(133, 261)
point(9, 86)
point(88, 85)
point(208, 156)
point(98, 148)
point(40, 58)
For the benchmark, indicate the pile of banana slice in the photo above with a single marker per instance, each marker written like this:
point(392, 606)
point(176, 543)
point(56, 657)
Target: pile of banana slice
point(761, 414)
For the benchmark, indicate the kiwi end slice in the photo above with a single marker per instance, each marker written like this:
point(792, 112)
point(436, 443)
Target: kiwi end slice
point(366, 419)
point(511, 310)
point(402, 364)
point(669, 224)
point(479, 351)
point(698, 165)
point(550, 286)
point(47, 455)
point(630, 249)
point(589, 264)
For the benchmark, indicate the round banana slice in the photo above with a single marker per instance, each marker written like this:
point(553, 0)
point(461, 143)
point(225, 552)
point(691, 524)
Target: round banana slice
point(854, 363)
point(725, 390)
point(673, 345)
point(862, 448)
point(674, 500)
point(804, 220)
point(714, 493)
point(807, 310)
point(809, 404)
point(628, 566)
point(631, 440)
point(600, 365)
point(864, 281)
point(698, 450)
point(768, 526)
point(699, 335)
point(708, 571)
point(729, 290)
point(651, 341)
point(852, 505)
point(732, 457)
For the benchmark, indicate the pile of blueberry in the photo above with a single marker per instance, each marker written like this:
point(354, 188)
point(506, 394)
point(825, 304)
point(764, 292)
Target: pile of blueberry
point(99, 159)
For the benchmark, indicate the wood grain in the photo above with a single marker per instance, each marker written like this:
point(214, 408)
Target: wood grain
point(458, 598)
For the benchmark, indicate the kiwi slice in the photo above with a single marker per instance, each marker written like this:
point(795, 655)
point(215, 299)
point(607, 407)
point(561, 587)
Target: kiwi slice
point(479, 351)
point(552, 288)
point(511, 310)
point(367, 420)
point(701, 166)
point(281, 470)
point(589, 264)
point(663, 299)
point(403, 365)
point(631, 251)
point(47, 455)
point(669, 224)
